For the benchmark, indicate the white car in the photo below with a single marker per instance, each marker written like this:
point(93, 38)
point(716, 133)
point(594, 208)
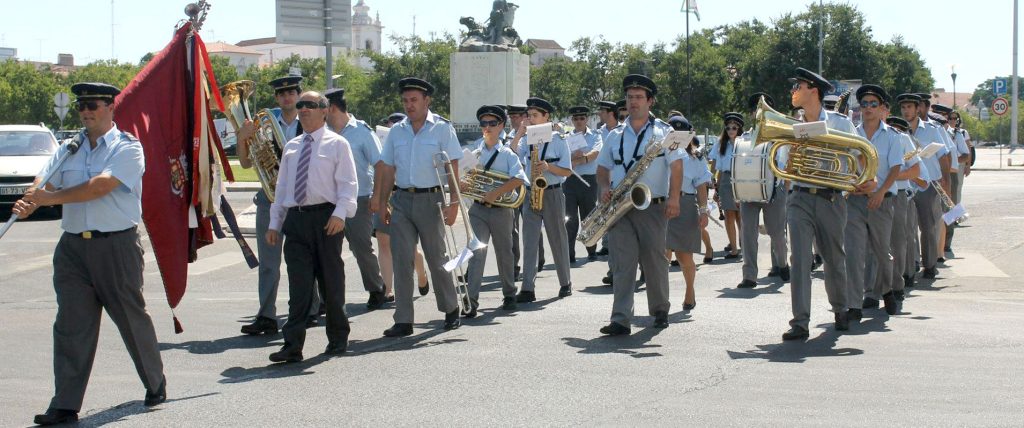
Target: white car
point(24, 150)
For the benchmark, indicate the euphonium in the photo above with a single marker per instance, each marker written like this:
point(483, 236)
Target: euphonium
point(477, 183)
point(267, 144)
point(537, 181)
point(832, 160)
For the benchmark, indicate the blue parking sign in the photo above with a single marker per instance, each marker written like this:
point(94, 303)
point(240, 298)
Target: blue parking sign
point(999, 86)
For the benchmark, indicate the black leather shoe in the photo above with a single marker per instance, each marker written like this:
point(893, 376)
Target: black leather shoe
point(908, 281)
point(870, 303)
point(853, 314)
point(607, 280)
point(156, 397)
point(708, 260)
point(376, 301)
point(592, 257)
point(774, 272)
point(525, 297)
point(336, 348)
point(817, 262)
point(843, 320)
point(56, 416)
point(399, 330)
point(286, 356)
point(891, 304)
point(732, 256)
point(929, 273)
point(784, 274)
point(746, 284)
point(661, 320)
point(509, 304)
point(941, 260)
point(795, 333)
point(615, 329)
point(451, 320)
point(603, 251)
point(471, 313)
point(674, 263)
point(689, 306)
point(262, 325)
point(312, 321)
point(425, 289)
point(565, 291)
point(540, 265)
point(728, 248)
point(900, 295)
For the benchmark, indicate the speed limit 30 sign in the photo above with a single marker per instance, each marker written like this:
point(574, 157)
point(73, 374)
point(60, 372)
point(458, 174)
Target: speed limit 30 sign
point(1000, 106)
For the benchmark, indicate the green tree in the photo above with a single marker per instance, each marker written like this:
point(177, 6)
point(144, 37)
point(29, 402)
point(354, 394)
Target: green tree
point(416, 57)
point(26, 94)
point(983, 92)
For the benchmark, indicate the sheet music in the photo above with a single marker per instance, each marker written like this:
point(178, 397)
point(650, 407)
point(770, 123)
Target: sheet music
point(577, 142)
point(463, 257)
point(538, 134)
point(682, 138)
point(382, 133)
point(931, 150)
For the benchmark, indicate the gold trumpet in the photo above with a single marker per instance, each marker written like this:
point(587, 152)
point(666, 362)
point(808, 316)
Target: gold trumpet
point(838, 160)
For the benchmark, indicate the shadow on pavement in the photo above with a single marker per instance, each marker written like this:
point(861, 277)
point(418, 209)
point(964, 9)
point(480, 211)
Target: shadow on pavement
point(220, 345)
point(799, 351)
point(121, 411)
point(750, 293)
point(635, 345)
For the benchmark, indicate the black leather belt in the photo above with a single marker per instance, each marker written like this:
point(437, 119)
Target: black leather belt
point(92, 234)
point(309, 208)
point(829, 194)
point(688, 194)
point(553, 186)
point(434, 189)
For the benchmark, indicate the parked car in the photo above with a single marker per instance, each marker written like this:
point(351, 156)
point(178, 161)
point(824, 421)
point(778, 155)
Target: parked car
point(24, 151)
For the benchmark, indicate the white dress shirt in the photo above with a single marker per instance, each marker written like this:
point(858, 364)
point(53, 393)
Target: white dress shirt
point(331, 177)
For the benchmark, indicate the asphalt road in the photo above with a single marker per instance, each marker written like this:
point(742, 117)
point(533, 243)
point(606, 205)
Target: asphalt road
point(952, 358)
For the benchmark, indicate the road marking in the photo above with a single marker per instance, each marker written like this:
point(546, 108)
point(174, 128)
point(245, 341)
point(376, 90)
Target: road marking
point(215, 262)
point(974, 265)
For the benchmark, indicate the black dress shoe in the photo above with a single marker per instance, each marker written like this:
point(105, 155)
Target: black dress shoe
point(615, 329)
point(262, 325)
point(784, 274)
point(424, 289)
point(728, 248)
point(509, 304)
point(817, 262)
point(689, 306)
point(661, 319)
point(708, 260)
point(843, 320)
point(891, 304)
point(603, 251)
point(795, 333)
point(336, 348)
point(286, 356)
point(390, 299)
point(900, 295)
point(746, 283)
point(540, 265)
point(854, 314)
point(929, 273)
point(451, 320)
point(732, 256)
point(572, 260)
point(565, 291)
point(399, 330)
point(592, 257)
point(376, 300)
point(908, 281)
point(870, 303)
point(56, 416)
point(471, 313)
point(526, 297)
point(674, 263)
point(312, 321)
point(607, 280)
point(156, 397)
point(774, 272)
point(941, 260)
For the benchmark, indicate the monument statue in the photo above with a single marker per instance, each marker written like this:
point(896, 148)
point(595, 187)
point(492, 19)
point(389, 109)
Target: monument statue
point(497, 36)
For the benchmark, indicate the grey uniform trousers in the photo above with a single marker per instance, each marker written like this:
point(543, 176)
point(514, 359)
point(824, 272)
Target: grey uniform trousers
point(358, 231)
point(313, 258)
point(639, 239)
point(415, 217)
point(579, 202)
point(270, 259)
point(553, 218)
point(868, 234)
point(955, 185)
point(928, 218)
point(774, 223)
point(913, 239)
point(89, 276)
point(492, 226)
point(821, 220)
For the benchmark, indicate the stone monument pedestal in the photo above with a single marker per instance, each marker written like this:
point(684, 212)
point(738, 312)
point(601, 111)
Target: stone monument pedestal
point(479, 78)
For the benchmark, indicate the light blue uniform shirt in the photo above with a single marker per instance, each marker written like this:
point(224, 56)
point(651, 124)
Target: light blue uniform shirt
point(657, 175)
point(908, 146)
point(479, 143)
point(594, 142)
point(889, 147)
point(506, 162)
point(290, 130)
point(723, 162)
point(117, 155)
point(925, 135)
point(695, 173)
point(365, 151)
point(412, 154)
point(960, 144)
point(557, 154)
point(605, 131)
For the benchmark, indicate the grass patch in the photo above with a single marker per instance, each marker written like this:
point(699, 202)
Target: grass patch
point(242, 174)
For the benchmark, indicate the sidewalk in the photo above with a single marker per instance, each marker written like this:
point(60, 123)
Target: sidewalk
point(989, 159)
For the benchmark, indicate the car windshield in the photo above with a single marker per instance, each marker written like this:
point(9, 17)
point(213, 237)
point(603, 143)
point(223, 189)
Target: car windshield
point(26, 143)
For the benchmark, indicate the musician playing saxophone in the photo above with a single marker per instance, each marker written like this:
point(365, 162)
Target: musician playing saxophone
point(638, 237)
point(493, 224)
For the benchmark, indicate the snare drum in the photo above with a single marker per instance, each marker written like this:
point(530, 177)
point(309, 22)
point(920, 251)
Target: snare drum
point(752, 178)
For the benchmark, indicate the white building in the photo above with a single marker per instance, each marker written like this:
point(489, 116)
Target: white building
point(239, 57)
point(366, 33)
point(543, 50)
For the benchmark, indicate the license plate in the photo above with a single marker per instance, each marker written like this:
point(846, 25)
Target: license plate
point(13, 190)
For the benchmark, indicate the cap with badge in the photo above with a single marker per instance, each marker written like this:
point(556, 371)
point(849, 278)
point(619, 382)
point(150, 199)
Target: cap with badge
point(640, 81)
point(926, 97)
point(287, 82)
point(733, 117)
point(754, 98)
point(540, 104)
point(872, 89)
point(937, 117)
point(335, 94)
point(496, 111)
point(620, 105)
point(941, 109)
point(516, 109)
point(396, 117)
point(812, 78)
point(907, 98)
point(94, 91)
point(680, 123)
point(415, 83)
point(579, 111)
point(897, 122)
point(606, 105)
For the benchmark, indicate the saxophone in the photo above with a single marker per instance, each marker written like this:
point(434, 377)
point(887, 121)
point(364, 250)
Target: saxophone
point(537, 180)
point(628, 194)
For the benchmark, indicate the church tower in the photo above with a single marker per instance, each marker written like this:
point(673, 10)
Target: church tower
point(366, 33)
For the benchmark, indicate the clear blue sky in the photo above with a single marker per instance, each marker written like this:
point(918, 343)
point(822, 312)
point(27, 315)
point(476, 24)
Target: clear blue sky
point(975, 35)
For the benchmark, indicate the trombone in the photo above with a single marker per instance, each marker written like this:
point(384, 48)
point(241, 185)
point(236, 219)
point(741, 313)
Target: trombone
point(442, 161)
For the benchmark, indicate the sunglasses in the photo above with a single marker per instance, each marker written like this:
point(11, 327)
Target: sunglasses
point(489, 123)
point(579, 118)
point(796, 86)
point(91, 105)
point(732, 128)
point(871, 104)
point(309, 104)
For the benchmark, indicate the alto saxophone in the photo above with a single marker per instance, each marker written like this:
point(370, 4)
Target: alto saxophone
point(537, 180)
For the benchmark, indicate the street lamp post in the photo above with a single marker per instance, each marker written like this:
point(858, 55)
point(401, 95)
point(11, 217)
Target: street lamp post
point(954, 86)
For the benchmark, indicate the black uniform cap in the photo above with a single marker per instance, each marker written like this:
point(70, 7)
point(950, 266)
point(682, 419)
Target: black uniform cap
point(579, 111)
point(941, 108)
point(872, 89)
point(287, 82)
point(926, 97)
point(396, 117)
point(606, 105)
point(908, 98)
point(814, 79)
point(620, 105)
point(540, 104)
point(496, 111)
point(937, 117)
point(415, 83)
point(335, 94)
point(516, 108)
point(680, 123)
point(639, 81)
point(733, 116)
point(94, 91)
point(897, 122)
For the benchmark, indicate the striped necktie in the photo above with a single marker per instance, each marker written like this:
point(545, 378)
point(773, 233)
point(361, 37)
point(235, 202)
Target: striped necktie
point(302, 170)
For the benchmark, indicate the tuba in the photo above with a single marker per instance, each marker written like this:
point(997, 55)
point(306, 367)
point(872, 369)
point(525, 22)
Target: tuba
point(832, 160)
point(267, 144)
point(478, 183)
